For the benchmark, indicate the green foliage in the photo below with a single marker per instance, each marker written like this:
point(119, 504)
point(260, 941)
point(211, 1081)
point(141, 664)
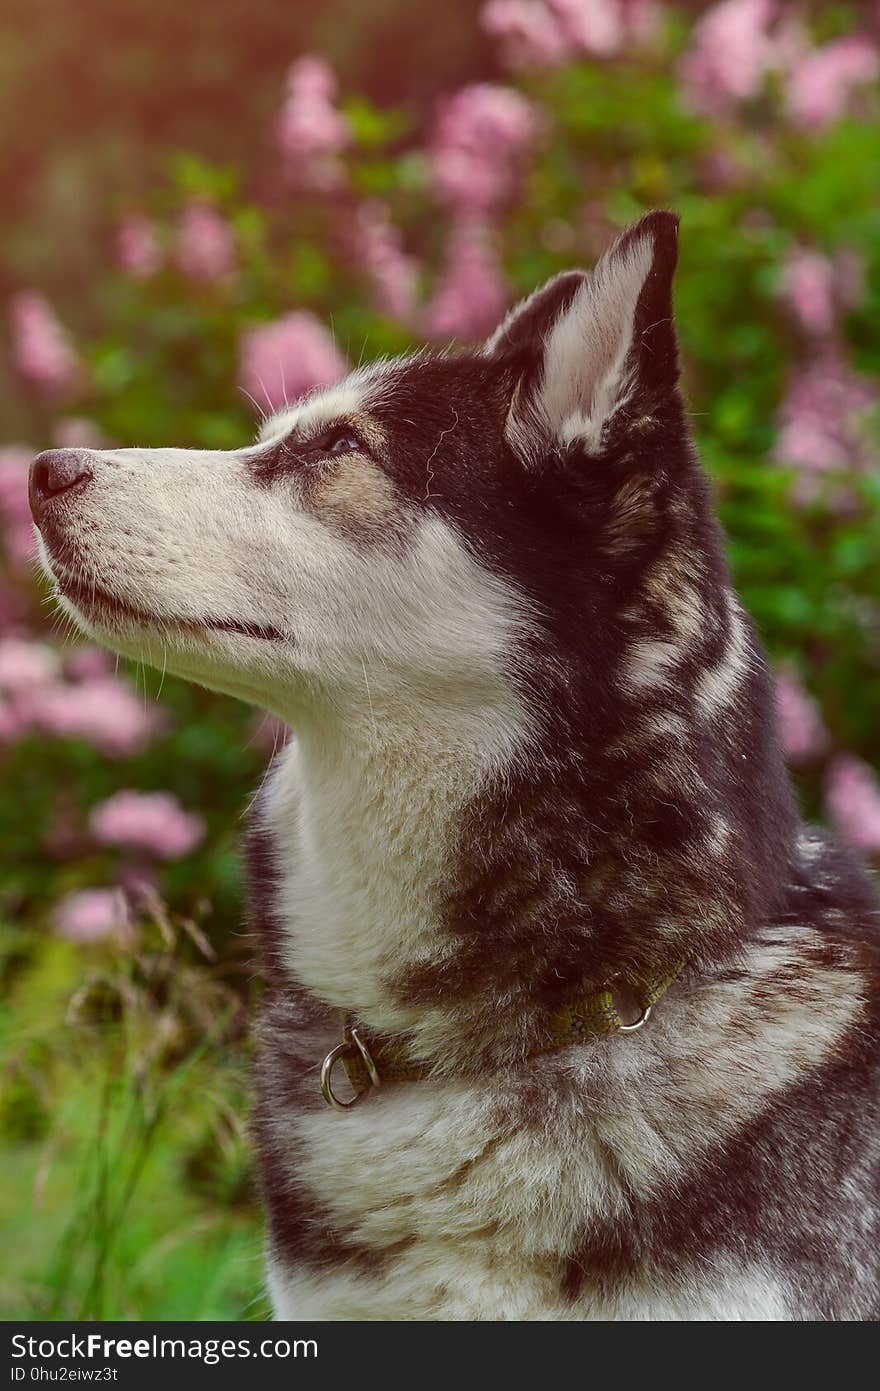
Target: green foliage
point(127, 1185)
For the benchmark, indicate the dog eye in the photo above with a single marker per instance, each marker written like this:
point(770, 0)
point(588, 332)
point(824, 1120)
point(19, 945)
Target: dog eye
point(338, 442)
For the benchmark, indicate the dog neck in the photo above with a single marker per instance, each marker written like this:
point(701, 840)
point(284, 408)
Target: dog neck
point(442, 878)
point(366, 808)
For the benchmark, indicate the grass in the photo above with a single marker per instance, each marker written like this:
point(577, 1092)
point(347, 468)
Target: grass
point(126, 1187)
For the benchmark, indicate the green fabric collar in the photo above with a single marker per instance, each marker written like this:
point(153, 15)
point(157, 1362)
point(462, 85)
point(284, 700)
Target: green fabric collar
point(372, 1060)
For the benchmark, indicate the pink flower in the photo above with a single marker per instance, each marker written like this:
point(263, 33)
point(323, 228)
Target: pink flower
point(803, 733)
point(140, 882)
point(480, 137)
point(103, 711)
point(852, 798)
point(15, 461)
point(13, 609)
point(92, 914)
point(529, 34)
point(546, 33)
point(730, 53)
point(821, 418)
point(76, 432)
point(816, 288)
point(85, 662)
point(282, 361)
point(593, 26)
point(16, 523)
point(820, 84)
point(41, 348)
point(25, 665)
point(151, 821)
point(310, 131)
point(394, 275)
point(808, 290)
point(13, 722)
point(640, 18)
point(471, 295)
point(99, 708)
point(137, 247)
point(204, 245)
point(849, 276)
point(719, 171)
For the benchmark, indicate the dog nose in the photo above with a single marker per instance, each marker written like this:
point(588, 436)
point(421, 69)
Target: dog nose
point(54, 472)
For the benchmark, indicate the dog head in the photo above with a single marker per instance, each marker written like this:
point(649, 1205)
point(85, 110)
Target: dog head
point(445, 522)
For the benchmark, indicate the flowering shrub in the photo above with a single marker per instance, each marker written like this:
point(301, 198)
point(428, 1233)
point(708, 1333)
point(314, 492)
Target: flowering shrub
point(283, 360)
point(41, 348)
point(153, 822)
point(227, 292)
point(757, 121)
point(854, 802)
point(204, 247)
point(90, 915)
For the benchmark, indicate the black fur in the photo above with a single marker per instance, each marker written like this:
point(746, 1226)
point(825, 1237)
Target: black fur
point(650, 823)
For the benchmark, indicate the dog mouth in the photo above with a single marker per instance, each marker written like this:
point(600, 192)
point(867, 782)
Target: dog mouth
point(104, 608)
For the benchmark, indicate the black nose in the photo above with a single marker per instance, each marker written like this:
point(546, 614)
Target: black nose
point(54, 472)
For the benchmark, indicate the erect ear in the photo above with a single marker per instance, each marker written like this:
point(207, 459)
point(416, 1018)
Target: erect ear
point(591, 351)
point(522, 331)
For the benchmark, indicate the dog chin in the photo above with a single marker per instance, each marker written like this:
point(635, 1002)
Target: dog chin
point(219, 659)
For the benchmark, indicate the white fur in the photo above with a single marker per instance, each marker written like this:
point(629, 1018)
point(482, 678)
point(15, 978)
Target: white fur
point(649, 662)
point(717, 687)
point(185, 536)
point(472, 1213)
point(459, 1282)
point(365, 805)
point(494, 341)
point(584, 381)
point(393, 666)
point(321, 407)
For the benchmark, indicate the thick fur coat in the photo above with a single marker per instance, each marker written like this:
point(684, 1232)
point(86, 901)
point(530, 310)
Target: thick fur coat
point(535, 756)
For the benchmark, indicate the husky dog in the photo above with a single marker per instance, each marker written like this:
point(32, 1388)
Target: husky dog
point(536, 787)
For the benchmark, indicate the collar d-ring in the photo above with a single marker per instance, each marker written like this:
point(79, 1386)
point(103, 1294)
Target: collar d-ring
point(637, 1023)
point(352, 1046)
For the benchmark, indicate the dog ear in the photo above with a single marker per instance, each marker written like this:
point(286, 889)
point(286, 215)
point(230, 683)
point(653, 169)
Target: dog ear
point(590, 353)
point(521, 333)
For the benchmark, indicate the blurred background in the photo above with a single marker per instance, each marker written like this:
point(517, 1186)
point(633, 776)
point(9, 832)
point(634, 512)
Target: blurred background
point(205, 207)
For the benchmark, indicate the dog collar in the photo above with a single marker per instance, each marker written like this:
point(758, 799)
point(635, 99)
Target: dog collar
point(372, 1060)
